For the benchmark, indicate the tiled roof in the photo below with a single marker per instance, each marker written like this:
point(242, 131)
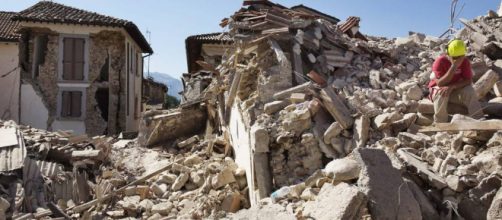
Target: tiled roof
point(8, 27)
point(46, 11)
point(212, 38)
point(315, 11)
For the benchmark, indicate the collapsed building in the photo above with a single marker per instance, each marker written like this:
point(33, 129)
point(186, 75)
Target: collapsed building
point(154, 92)
point(77, 70)
point(301, 119)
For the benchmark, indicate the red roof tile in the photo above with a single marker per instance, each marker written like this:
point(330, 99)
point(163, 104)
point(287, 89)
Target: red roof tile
point(8, 27)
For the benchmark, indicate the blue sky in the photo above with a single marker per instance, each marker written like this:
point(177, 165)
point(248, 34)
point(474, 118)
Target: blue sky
point(171, 21)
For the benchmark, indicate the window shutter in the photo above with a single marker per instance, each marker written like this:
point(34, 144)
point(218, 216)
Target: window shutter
point(78, 61)
point(76, 104)
point(68, 59)
point(65, 104)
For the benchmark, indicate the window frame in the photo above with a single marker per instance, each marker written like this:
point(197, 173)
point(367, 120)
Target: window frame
point(61, 56)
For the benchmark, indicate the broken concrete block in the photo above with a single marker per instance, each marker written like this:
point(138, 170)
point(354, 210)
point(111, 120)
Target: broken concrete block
point(309, 194)
point(342, 201)
point(361, 131)
point(260, 139)
point(414, 93)
point(188, 141)
point(486, 83)
point(497, 89)
point(495, 211)
point(424, 119)
point(333, 131)
point(297, 97)
point(488, 160)
point(163, 208)
point(342, 169)
point(167, 178)
point(231, 203)
point(496, 140)
point(426, 206)
point(275, 106)
point(159, 189)
point(180, 182)
point(385, 187)
point(454, 183)
point(146, 205)
point(386, 119)
point(416, 141)
point(405, 123)
point(223, 178)
point(192, 160)
point(425, 106)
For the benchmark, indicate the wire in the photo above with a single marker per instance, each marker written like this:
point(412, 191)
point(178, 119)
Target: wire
point(11, 71)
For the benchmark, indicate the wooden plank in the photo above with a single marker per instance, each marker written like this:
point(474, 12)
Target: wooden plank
point(492, 125)
point(87, 205)
point(287, 93)
point(485, 83)
point(336, 107)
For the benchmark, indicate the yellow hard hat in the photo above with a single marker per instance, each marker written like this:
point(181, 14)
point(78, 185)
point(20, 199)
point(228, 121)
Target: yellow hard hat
point(456, 48)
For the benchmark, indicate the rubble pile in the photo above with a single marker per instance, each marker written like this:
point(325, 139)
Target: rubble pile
point(66, 176)
point(311, 94)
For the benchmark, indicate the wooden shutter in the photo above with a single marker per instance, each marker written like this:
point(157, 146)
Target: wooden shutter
point(73, 58)
point(76, 104)
point(68, 59)
point(66, 104)
point(78, 60)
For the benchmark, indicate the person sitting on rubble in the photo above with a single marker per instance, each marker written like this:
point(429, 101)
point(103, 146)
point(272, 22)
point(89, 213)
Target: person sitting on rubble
point(451, 82)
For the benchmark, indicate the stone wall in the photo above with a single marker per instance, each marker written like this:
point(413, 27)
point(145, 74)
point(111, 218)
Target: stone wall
point(106, 45)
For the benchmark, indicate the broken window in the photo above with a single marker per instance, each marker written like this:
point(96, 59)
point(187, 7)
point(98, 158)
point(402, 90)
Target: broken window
point(102, 97)
point(73, 58)
point(71, 104)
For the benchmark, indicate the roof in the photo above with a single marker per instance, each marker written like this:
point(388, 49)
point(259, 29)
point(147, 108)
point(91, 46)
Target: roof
point(301, 6)
point(8, 27)
point(220, 37)
point(46, 11)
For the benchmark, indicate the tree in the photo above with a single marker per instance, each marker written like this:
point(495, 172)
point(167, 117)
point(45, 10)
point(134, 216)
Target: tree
point(170, 102)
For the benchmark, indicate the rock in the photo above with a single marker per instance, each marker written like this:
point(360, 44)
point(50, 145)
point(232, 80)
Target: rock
point(180, 182)
point(188, 141)
point(361, 130)
point(297, 97)
point(146, 205)
point(197, 179)
point(130, 203)
point(342, 201)
point(426, 206)
point(416, 141)
point(495, 211)
point(167, 178)
point(192, 160)
point(163, 208)
point(159, 189)
point(232, 203)
point(333, 131)
point(496, 140)
point(223, 178)
point(454, 183)
point(424, 120)
point(275, 106)
point(4, 205)
point(309, 194)
point(342, 169)
point(384, 186)
point(414, 93)
point(479, 199)
point(386, 119)
point(265, 210)
point(489, 160)
point(155, 216)
point(448, 166)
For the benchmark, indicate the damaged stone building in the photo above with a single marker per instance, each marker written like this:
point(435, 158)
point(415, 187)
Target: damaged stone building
point(79, 70)
point(154, 92)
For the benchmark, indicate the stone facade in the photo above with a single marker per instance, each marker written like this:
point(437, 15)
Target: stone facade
point(106, 73)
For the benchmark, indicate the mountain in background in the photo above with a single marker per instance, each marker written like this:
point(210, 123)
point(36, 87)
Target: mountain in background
point(174, 85)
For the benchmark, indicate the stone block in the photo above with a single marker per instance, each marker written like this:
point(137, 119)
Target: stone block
point(275, 106)
point(260, 139)
point(342, 201)
point(223, 178)
point(384, 186)
point(342, 169)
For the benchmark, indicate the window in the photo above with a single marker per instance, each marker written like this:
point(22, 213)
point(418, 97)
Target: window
point(71, 104)
point(127, 78)
point(73, 58)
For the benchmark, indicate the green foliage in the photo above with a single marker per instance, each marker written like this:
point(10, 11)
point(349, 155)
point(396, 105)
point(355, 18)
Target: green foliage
point(170, 102)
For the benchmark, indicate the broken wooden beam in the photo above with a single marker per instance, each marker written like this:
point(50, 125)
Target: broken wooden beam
point(87, 205)
point(297, 89)
point(336, 107)
point(491, 125)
